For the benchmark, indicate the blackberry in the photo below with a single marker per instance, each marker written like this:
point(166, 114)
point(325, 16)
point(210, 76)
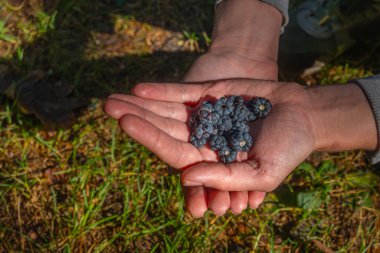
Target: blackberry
point(251, 116)
point(207, 106)
point(240, 127)
point(203, 131)
point(217, 142)
point(227, 155)
point(241, 113)
point(224, 107)
point(207, 113)
point(240, 141)
point(235, 101)
point(198, 132)
point(208, 127)
point(260, 106)
point(193, 121)
point(198, 142)
point(224, 124)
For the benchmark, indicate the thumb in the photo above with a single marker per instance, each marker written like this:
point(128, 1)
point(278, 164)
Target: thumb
point(239, 176)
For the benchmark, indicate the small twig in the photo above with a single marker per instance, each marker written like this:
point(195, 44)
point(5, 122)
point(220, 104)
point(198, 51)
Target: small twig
point(322, 247)
point(20, 222)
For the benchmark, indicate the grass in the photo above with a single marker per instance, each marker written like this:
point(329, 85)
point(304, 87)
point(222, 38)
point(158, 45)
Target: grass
point(92, 189)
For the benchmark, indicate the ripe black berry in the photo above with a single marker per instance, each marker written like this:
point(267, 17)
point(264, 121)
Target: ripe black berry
point(260, 106)
point(218, 142)
point(198, 142)
point(227, 155)
point(240, 141)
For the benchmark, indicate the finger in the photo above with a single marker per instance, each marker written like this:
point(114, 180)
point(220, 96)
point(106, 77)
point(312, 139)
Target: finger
point(238, 176)
point(176, 153)
point(180, 93)
point(195, 200)
point(255, 199)
point(176, 129)
point(218, 201)
point(166, 109)
point(239, 201)
point(192, 93)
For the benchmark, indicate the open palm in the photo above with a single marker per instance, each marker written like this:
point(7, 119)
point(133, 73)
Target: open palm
point(217, 64)
point(156, 117)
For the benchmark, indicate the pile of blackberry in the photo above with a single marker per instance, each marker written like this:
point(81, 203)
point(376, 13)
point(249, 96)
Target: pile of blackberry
point(224, 124)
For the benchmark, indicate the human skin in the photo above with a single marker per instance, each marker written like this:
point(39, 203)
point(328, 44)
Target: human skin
point(240, 48)
point(302, 120)
point(244, 43)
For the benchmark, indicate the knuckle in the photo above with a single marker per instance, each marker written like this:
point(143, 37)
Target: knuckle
point(169, 128)
point(229, 177)
point(215, 87)
point(178, 162)
point(183, 93)
point(171, 110)
point(158, 140)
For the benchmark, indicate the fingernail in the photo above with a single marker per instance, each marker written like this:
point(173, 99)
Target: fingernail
point(139, 90)
point(190, 183)
point(134, 88)
point(255, 205)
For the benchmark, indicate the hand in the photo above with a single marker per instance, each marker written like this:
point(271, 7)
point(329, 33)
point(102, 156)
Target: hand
point(161, 110)
point(302, 120)
point(215, 66)
point(198, 199)
point(240, 49)
point(228, 63)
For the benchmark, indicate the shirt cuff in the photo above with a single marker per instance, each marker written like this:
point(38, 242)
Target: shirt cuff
point(371, 88)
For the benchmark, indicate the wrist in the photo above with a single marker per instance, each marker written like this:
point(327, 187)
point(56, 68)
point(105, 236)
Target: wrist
point(342, 118)
point(249, 28)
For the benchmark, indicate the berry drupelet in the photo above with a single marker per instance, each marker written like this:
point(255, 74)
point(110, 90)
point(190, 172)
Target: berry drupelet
point(197, 142)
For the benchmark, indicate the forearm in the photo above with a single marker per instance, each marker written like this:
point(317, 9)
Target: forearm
point(343, 118)
point(250, 28)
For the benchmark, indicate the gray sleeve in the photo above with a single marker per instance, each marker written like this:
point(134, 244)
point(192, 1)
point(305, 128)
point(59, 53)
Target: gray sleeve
point(371, 89)
point(281, 5)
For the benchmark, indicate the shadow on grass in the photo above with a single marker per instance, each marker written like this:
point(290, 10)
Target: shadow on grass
point(121, 58)
point(62, 52)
